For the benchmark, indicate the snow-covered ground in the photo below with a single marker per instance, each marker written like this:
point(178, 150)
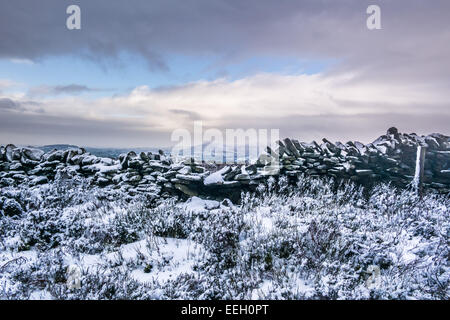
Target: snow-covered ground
point(308, 242)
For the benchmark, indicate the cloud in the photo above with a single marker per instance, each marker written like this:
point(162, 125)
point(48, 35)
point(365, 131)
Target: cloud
point(301, 106)
point(40, 129)
point(72, 89)
point(22, 61)
point(394, 76)
point(191, 115)
point(413, 43)
point(13, 105)
point(6, 103)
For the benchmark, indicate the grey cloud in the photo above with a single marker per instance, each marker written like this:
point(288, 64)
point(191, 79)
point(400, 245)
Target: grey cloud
point(9, 105)
point(6, 103)
point(363, 127)
point(72, 89)
point(39, 129)
point(413, 43)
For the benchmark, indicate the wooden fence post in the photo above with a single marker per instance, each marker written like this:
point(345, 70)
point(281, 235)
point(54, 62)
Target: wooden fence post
point(420, 168)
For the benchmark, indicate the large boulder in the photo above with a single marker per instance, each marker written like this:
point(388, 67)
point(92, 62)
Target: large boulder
point(32, 154)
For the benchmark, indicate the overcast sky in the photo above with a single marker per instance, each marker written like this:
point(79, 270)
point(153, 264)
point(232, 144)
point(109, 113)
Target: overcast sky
point(138, 69)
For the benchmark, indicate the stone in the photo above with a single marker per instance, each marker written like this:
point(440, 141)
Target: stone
point(32, 154)
point(231, 184)
point(393, 131)
point(16, 154)
point(15, 166)
point(9, 152)
point(186, 190)
point(39, 180)
point(298, 146)
point(270, 171)
point(7, 182)
point(144, 157)
point(161, 179)
point(432, 143)
point(445, 173)
point(170, 174)
point(232, 173)
point(364, 172)
point(20, 177)
point(282, 149)
point(156, 165)
point(311, 155)
point(55, 155)
point(101, 181)
point(71, 153)
point(251, 169)
point(11, 208)
point(134, 179)
point(2, 153)
point(185, 170)
point(117, 178)
point(291, 147)
point(150, 178)
point(48, 164)
point(292, 167)
point(331, 161)
point(28, 162)
point(189, 178)
point(264, 160)
point(76, 159)
point(242, 177)
point(135, 163)
point(198, 169)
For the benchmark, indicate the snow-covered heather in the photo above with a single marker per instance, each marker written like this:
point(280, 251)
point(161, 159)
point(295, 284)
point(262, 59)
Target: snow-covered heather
point(310, 241)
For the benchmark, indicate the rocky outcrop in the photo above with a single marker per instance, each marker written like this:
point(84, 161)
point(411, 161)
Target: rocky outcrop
point(390, 158)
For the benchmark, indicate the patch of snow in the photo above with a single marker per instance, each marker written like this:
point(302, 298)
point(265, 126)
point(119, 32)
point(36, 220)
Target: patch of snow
point(198, 205)
point(215, 178)
point(41, 295)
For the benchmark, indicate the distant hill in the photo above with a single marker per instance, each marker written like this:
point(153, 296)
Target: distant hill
point(57, 147)
point(100, 152)
point(239, 153)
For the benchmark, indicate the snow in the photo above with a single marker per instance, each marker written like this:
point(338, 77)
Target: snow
point(261, 217)
point(178, 256)
point(296, 284)
point(198, 205)
point(104, 167)
point(215, 178)
point(181, 254)
point(41, 295)
point(312, 244)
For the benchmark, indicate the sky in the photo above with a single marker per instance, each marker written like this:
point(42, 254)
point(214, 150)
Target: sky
point(139, 69)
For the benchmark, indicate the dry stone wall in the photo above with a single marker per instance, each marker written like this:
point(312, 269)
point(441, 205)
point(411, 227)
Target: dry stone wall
point(390, 158)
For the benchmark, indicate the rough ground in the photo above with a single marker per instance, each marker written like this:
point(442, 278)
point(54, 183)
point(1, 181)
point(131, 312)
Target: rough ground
point(302, 242)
